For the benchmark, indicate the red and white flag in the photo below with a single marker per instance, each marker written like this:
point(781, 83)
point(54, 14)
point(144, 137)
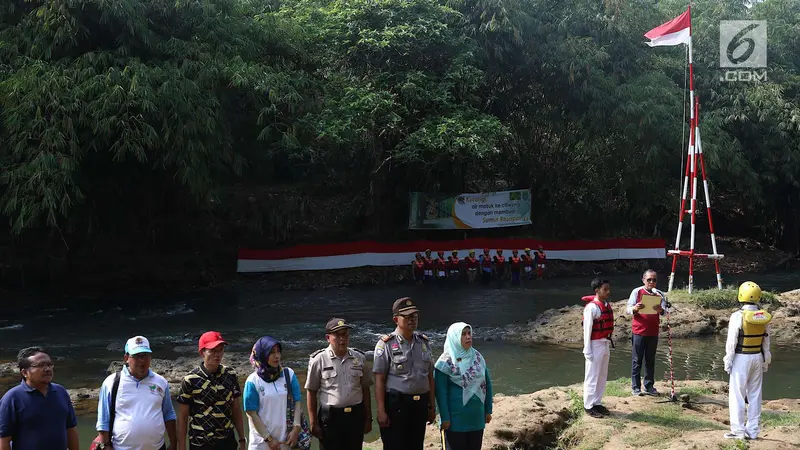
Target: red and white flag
point(675, 32)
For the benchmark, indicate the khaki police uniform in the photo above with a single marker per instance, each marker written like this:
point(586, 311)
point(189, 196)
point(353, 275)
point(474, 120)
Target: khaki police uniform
point(407, 365)
point(339, 384)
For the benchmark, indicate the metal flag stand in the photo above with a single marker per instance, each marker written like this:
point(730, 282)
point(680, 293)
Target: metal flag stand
point(690, 188)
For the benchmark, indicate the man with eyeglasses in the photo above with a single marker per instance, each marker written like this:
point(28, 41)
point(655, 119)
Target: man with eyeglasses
point(37, 414)
point(210, 401)
point(404, 389)
point(644, 333)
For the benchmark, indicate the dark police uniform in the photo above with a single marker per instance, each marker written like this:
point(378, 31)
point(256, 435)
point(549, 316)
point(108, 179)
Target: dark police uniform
point(339, 384)
point(407, 365)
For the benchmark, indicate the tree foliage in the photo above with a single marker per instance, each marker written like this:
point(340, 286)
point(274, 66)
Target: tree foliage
point(116, 115)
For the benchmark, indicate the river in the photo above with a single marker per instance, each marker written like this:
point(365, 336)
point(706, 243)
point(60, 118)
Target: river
point(84, 336)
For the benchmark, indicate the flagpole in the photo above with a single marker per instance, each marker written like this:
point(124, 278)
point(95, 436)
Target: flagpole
point(690, 163)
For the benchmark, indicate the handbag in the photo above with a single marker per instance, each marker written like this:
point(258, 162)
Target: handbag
point(304, 438)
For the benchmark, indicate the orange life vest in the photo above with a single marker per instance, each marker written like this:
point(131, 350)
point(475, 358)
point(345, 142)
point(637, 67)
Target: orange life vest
point(516, 262)
point(603, 326)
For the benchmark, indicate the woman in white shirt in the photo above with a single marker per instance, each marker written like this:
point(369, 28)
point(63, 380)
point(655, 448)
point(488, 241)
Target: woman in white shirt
point(265, 400)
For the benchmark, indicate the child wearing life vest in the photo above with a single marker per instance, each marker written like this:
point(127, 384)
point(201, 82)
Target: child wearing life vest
point(515, 264)
point(598, 325)
point(473, 265)
point(747, 357)
point(487, 267)
point(418, 268)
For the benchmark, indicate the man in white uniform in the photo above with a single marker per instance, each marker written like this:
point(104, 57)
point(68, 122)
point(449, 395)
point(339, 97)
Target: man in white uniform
point(598, 325)
point(747, 357)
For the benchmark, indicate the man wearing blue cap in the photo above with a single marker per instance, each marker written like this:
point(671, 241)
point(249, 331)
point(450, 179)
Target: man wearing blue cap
point(135, 408)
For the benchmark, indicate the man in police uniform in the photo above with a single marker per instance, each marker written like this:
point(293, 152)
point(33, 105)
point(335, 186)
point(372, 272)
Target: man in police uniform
point(343, 413)
point(404, 389)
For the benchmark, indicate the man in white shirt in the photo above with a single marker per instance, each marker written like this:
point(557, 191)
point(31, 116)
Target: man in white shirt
point(747, 357)
point(142, 410)
point(598, 326)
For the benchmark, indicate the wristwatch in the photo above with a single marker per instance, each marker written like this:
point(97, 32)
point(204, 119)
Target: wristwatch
point(269, 438)
point(242, 440)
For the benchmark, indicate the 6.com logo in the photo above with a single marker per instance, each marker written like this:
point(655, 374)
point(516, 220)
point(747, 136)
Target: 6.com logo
point(742, 48)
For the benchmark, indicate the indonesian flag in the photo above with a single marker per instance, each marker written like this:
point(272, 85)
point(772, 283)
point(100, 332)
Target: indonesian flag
point(675, 32)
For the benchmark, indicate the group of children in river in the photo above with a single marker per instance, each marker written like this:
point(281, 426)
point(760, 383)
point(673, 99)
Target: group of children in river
point(427, 269)
point(747, 349)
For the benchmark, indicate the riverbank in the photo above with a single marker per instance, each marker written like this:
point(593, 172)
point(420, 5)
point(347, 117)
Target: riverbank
point(704, 314)
point(741, 256)
point(554, 418)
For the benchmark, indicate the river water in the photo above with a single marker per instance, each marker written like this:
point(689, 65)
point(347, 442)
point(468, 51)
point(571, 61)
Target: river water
point(83, 337)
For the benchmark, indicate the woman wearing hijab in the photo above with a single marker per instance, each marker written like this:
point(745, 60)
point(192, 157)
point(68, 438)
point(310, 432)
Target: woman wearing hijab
point(265, 399)
point(463, 391)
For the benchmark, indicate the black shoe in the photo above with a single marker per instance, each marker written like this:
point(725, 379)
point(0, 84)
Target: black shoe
point(602, 410)
point(652, 391)
point(636, 392)
point(593, 412)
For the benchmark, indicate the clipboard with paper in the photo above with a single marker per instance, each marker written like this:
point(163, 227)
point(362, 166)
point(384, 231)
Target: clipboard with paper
point(650, 301)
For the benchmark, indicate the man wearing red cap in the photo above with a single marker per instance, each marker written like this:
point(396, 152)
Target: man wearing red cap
point(210, 402)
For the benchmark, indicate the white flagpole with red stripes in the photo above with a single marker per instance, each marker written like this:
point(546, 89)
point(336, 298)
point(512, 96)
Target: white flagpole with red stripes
point(675, 32)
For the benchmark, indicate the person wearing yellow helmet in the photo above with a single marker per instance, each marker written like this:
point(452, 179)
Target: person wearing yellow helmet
point(747, 357)
point(527, 263)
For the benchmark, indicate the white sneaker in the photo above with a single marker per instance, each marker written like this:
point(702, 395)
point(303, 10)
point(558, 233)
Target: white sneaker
point(731, 435)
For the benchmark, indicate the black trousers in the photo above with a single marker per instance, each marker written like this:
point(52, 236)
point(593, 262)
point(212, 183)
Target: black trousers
point(643, 352)
point(229, 443)
point(407, 419)
point(463, 440)
point(342, 428)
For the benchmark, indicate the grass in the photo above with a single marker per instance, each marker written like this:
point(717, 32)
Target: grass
point(672, 418)
point(735, 444)
point(576, 437)
point(780, 419)
point(694, 391)
point(717, 299)
point(621, 387)
point(648, 438)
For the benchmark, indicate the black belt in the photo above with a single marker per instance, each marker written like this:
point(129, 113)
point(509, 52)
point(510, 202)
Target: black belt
point(397, 395)
point(345, 409)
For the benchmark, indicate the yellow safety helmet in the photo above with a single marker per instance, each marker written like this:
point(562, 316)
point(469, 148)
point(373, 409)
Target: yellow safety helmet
point(455, 251)
point(749, 292)
point(527, 250)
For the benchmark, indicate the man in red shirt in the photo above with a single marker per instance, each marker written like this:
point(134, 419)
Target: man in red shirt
point(644, 336)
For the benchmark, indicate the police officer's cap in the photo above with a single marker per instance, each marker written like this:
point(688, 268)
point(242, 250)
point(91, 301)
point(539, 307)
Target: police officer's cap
point(336, 324)
point(404, 307)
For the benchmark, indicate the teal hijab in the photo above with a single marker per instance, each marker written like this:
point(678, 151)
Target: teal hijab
point(466, 368)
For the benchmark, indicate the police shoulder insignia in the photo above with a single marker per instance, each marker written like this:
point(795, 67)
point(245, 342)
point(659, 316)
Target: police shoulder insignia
point(387, 337)
point(316, 353)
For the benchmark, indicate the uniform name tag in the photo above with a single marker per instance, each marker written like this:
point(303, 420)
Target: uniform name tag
point(327, 368)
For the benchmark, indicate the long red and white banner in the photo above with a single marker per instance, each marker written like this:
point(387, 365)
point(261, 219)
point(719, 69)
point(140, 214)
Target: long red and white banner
point(367, 253)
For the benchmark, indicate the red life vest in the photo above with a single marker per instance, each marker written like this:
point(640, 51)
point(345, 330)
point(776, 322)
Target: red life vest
point(603, 326)
point(428, 262)
point(527, 261)
point(542, 256)
point(499, 260)
point(453, 262)
point(472, 263)
point(516, 262)
point(419, 267)
point(645, 324)
point(439, 263)
point(486, 261)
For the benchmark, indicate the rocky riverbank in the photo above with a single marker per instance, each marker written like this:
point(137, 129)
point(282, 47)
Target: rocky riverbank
point(686, 320)
point(554, 418)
